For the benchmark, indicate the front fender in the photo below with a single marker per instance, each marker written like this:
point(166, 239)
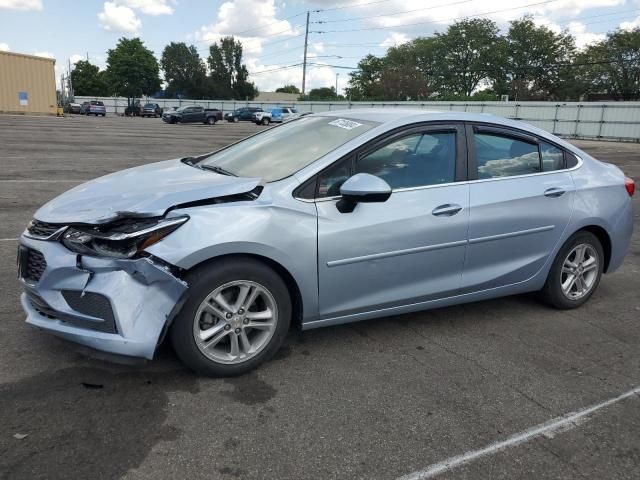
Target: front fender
point(281, 234)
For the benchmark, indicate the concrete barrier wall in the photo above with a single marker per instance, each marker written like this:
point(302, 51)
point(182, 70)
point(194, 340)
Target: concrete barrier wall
point(597, 120)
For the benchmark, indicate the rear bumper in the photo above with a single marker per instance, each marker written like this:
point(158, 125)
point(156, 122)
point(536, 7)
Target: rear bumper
point(138, 298)
point(621, 237)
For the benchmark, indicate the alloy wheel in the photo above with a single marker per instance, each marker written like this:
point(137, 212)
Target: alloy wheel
point(235, 322)
point(579, 271)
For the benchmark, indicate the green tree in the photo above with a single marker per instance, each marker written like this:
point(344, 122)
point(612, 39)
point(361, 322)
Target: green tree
point(612, 66)
point(88, 80)
point(229, 78)
point(536, 62)
point(184, 71)
point(365, 82)
point(408, 71)
point(132, 70)
point(321, 94)
point(288, 89)
point(465, 55)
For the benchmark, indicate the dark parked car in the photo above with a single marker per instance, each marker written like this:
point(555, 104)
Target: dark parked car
point(193, 114)
point(94, 107)
point(244, 113)
point(71, 107)
point(151, 110)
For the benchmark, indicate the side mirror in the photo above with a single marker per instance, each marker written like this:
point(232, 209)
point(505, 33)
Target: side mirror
point(362, 188)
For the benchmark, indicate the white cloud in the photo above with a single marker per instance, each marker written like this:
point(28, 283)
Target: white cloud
point(148, 7)
point(117, 18)
point(4, 47)
point(44, 54)
point(316, 76)
point(395, 39)
point(249, 21)
point(21, 4)
point(76, 58)
point(584, 38)
point(630, 25)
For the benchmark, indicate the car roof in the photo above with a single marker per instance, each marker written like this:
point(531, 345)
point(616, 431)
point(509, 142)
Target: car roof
point(398, 117)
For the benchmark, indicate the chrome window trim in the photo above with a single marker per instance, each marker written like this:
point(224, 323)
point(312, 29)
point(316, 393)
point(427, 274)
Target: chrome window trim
point(449, 184)
point(580, 163)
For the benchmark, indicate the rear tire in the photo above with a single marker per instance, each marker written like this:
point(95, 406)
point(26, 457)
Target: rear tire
point(265, 121)
point(211, 121)
point(575, 273)
point(228, 277)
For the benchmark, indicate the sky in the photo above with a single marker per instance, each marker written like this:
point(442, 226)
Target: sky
point(341, 32)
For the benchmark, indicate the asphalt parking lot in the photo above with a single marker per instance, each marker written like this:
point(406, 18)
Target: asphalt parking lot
point(373, 400)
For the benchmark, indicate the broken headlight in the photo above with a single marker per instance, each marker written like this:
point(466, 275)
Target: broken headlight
point(121, 239)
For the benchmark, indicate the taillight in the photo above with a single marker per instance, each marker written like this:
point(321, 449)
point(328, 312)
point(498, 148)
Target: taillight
point(630, 185)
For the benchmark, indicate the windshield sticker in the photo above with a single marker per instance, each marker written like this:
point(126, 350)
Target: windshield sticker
point(346, 124)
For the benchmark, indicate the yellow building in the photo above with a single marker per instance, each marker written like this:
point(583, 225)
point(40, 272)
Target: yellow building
point(27, 84)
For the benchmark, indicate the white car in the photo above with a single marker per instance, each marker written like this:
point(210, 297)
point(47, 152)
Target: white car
point(278, 115)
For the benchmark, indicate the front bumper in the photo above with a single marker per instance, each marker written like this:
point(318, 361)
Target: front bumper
point(137, 299)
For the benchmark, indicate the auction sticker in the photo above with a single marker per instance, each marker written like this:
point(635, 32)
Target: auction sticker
point(346, 124)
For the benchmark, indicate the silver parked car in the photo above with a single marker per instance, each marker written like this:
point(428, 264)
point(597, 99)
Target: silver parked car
point(330, 218)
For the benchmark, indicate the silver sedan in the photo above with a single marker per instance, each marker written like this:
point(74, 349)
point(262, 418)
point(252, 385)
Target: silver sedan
point(331, 218)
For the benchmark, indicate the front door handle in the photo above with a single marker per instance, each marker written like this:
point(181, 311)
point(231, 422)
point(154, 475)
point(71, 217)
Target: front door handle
point(446, 210)
point(554, 192)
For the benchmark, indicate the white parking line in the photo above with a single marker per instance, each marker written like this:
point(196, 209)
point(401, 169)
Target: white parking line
point(556, 425)
point(8, 239)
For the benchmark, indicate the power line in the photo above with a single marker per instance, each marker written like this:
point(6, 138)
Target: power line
point(352, 19)
point(395, 27)
point(354, 5)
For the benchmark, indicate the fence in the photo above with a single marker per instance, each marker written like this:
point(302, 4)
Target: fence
point(588, 120)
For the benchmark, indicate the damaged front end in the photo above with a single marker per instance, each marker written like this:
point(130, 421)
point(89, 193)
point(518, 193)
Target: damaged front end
point(95, 284)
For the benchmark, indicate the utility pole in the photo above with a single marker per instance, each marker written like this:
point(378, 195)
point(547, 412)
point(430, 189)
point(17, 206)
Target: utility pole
point(304, 64)
point(71, 95)
point(337, 75)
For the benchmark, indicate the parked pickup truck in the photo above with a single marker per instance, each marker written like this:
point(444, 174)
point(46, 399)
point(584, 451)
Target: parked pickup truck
point(277, 115)
point(193, 114)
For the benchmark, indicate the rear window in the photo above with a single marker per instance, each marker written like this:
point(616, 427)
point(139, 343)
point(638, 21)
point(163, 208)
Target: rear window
point(150, 105)
point(96, 102)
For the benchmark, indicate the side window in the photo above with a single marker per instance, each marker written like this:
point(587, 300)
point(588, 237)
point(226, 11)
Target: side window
point(503, 156)
point(413, 161)
point(330, 181)
point(552, 157)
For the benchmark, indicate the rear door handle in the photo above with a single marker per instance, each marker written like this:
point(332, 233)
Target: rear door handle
point(554, 192)
point(446, 210)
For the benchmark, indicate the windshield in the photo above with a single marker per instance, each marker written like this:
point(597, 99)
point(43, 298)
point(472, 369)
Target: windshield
point(181, 109)
point(150, 105)
point(280, 152)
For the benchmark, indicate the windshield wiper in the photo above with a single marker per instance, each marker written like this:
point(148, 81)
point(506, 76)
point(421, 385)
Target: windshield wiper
point(216, 169)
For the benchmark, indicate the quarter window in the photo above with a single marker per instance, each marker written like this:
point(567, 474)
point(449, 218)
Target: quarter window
point(552, 157)
point(330, 180)
point(502, 156)
point(413, 161)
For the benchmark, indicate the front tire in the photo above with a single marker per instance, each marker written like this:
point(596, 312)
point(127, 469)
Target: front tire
point(211, 121)
point(575, 273)
point(236, 119)
point(236, 316)
point(265, 121)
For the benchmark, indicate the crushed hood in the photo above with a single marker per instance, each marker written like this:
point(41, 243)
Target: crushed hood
point(147, 191)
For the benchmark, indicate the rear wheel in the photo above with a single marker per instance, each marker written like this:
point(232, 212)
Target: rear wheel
point(210, 121)
point(265, 121)
point(235, 318)
point(576, 272)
